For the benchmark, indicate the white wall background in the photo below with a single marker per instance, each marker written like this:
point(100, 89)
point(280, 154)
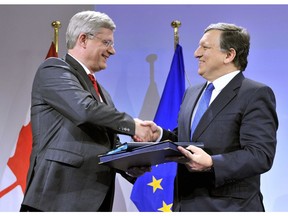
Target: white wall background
point(134, 83)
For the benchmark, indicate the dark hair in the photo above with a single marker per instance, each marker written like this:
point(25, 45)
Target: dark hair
point(235, 37)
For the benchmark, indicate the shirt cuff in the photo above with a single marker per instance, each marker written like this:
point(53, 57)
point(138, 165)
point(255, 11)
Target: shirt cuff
point(161, 134)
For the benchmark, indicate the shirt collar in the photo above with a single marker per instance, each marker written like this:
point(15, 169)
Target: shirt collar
point(84, 67)
point(222, 81)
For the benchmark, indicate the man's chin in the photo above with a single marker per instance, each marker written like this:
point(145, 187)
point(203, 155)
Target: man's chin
point(201, 73)
point(102, 67)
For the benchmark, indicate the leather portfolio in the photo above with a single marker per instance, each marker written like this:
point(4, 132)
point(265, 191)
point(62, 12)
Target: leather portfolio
point(137, 154)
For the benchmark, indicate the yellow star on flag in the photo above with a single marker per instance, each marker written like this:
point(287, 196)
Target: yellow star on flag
point(165, 207)
point(156, 184)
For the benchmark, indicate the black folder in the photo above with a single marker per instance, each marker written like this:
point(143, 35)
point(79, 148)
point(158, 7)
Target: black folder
point(136, 154)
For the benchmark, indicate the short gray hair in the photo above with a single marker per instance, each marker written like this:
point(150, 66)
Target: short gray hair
point(88, 22)
point(235, 37)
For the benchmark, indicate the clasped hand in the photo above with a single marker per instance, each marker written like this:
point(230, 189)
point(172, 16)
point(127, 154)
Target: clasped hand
point(146, 131)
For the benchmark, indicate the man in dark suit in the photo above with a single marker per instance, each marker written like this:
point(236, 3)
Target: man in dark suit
point(238, 129)
point(72, 124)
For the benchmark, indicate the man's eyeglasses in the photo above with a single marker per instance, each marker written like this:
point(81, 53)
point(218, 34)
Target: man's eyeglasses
point(107, 43)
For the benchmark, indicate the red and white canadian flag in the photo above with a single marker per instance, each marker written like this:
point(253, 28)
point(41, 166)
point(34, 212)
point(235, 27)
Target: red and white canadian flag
point(13, 182)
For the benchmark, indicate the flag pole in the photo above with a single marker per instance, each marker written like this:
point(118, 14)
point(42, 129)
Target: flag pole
point(175, 25)
point(56, 25)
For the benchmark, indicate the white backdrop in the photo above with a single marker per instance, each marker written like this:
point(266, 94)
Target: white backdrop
point(136, 84)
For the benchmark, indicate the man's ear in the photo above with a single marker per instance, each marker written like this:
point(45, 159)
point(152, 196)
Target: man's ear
point(82, 39)
point(231, 54)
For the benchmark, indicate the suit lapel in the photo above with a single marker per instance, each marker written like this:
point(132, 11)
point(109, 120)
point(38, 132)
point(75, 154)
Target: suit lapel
point(100, 88)
point(81, 74)
point(184, 122)
point(221, 101)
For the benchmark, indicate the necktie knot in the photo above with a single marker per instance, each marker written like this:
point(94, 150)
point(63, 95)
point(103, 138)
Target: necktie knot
point(92, 78)
point(210, 87)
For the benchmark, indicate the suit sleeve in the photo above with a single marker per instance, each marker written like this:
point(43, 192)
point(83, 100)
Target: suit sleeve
point(170, 135)
point(257, 140)
point(62, 90)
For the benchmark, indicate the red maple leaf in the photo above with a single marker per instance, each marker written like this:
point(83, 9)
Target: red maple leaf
point(19, 163)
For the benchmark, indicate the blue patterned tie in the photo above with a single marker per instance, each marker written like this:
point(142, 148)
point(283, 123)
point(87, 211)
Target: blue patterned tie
point(202, 106)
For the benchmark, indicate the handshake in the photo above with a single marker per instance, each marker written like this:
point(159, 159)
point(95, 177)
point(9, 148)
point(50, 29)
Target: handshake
point(146, 131)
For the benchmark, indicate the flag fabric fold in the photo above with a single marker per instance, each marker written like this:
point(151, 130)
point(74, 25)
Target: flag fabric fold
point(52, 51)
point(153, 192)
point(17, 166)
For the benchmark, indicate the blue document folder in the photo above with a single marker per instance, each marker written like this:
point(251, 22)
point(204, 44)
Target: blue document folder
point(142, 154)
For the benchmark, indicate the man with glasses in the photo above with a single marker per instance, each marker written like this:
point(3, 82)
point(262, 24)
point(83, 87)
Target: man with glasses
point(73, 121)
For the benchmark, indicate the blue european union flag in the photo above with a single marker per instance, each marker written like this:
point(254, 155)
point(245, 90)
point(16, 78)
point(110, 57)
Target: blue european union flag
point(154, 190)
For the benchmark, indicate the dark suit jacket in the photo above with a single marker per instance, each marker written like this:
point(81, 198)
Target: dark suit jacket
point(71, 127)
point(239, 131)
